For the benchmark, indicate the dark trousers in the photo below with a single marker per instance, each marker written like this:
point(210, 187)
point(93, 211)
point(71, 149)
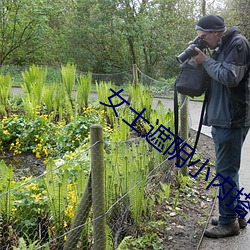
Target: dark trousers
point(228, 145)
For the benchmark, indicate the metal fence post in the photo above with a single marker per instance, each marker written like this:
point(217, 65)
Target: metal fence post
point(98, 195)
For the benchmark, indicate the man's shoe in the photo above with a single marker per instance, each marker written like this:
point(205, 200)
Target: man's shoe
point(221, 231)
point(242, 222)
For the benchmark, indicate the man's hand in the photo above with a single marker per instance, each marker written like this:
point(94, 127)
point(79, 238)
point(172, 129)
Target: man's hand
point(200, 58)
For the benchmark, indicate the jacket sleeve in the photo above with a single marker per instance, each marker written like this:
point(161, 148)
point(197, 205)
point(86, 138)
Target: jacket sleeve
point(234, 66)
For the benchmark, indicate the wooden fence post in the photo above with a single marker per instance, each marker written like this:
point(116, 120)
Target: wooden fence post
point(184, 127)
point(98, 195)
point(80, 218)
point(135, 75)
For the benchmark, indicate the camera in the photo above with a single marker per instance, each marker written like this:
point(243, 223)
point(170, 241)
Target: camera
point(190, 51)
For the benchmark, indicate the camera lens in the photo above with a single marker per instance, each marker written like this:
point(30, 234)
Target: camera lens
point(187, 53)
point(190, 50)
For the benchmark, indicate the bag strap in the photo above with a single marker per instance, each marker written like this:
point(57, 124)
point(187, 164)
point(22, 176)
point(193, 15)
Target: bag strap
point(200, 124)
point(176, 122)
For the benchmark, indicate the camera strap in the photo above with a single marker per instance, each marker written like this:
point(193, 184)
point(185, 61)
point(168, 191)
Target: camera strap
point(176, 123)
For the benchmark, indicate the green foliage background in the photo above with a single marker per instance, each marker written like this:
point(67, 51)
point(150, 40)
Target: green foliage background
point(107, 36)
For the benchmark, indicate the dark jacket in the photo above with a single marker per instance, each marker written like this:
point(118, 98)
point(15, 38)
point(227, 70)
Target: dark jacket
point(228, 103)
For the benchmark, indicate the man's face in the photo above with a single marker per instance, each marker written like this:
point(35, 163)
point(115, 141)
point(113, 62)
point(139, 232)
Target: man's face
point(211, 38)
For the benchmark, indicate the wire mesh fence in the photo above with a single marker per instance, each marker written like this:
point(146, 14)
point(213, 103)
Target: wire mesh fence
point(160, 87)
point(56, 209)
point(46, 211)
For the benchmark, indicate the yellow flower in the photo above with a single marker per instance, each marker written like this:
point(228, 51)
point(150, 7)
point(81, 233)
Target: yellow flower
point(31, 186)
point(37, 196)
point(17, 152)
point(45, 151)
point(69, 211)
point(6, 132)
point(73, 199)
point(38, 156)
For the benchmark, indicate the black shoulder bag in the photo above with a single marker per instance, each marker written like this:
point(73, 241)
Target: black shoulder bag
point(191, 81)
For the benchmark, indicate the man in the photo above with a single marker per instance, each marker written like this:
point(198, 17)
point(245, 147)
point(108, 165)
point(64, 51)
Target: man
point(228, 112)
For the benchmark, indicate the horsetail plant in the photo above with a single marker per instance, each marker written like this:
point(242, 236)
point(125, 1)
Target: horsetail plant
point(141, 98)
point(5, 89)
point(68, 74)
point(6, 184)
point(103, 92)
point(56, 184)
point(83, 90)
point(126, 172)
point(33, 85)
point(48, 98)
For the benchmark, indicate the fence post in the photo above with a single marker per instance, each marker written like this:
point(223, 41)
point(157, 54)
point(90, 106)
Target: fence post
point(135, 74)
point(184, 127)
point(80, 218)
point(98, 195)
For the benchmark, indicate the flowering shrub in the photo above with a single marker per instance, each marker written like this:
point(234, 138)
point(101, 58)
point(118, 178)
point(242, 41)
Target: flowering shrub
point(37, 205)
point(42, 136)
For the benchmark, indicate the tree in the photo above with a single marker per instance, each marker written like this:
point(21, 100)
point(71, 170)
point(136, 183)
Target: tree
point(237, 13)
point(21, 21)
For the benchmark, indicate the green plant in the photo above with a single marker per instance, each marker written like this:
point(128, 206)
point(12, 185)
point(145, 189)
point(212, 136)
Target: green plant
point(176, 199)
point(104, 92)
point(29, 245)
point(5, 90)
point(183, 180)
point(64, 183)
point(44, 137)
point(139, 92)
point(164, 192)
point(30, 207)
point(68, 74)
point(34, 81)
point(147, 241)
point(48, 98)
point(6, 184)
point(165, 117)
point(83, 91)
point(56, 187)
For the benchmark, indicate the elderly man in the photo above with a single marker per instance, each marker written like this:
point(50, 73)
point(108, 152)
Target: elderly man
point(228, 112)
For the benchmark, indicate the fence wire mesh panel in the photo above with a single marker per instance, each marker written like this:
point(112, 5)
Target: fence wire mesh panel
point(134, 173)
point(65, 202)
point(160, 87)
point(44, 211)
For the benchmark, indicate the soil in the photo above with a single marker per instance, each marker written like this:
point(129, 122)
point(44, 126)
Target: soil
point(187, 224)
point(25, 164)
